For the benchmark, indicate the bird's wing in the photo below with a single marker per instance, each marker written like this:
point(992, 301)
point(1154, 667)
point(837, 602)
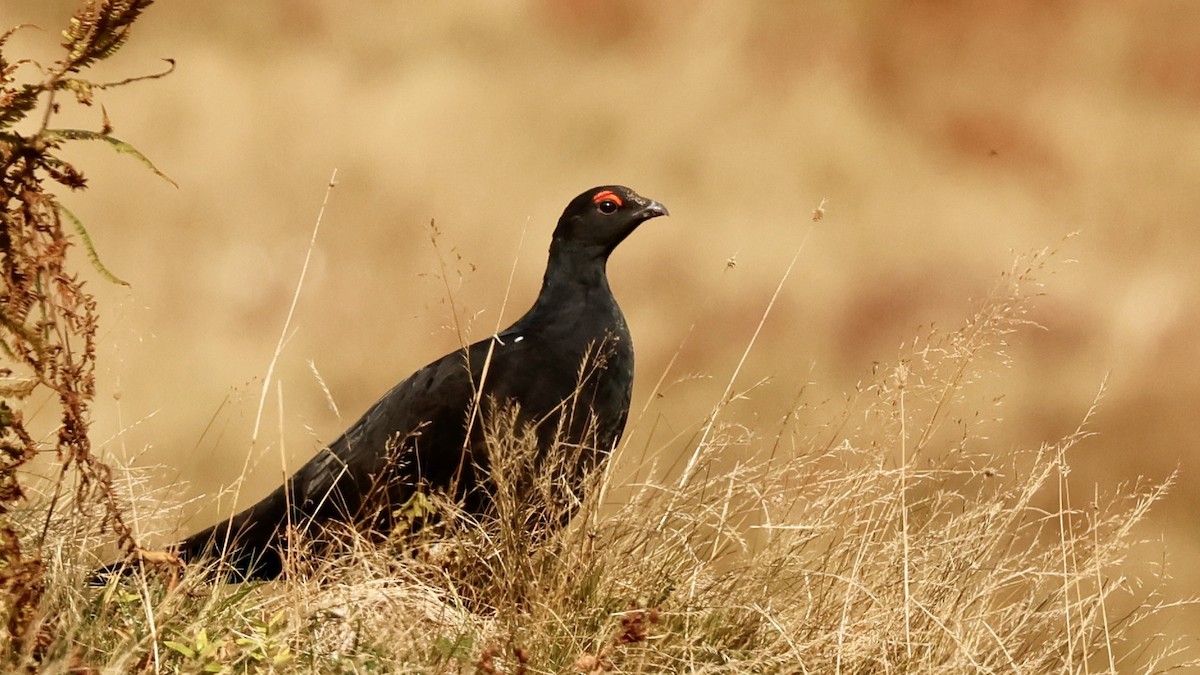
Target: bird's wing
point(376, 456)
point(417, 432)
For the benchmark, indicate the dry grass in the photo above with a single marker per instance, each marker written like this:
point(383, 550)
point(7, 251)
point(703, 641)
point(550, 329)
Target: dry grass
point(878, 535)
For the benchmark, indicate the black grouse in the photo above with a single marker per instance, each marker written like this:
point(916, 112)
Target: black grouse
point(565, 368)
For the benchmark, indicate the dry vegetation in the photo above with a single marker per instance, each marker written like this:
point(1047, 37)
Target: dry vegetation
point(864, 536)
point(879, 533)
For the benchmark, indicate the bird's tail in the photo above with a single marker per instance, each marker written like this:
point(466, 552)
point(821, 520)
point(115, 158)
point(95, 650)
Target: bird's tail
point(246, 546)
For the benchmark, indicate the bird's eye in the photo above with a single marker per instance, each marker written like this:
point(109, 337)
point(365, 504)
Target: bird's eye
point(607, 207)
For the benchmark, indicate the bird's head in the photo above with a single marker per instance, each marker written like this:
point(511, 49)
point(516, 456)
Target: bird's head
point(599, 219)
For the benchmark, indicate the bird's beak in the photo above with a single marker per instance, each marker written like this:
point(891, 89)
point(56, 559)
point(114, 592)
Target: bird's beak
point(652, 210)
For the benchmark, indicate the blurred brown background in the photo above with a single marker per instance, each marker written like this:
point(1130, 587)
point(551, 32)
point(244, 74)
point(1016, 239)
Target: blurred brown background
point(945, 139)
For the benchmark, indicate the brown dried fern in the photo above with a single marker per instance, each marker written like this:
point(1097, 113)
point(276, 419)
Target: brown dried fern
point(48, 320)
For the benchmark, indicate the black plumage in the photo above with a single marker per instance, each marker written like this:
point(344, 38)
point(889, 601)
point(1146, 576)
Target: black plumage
point(567, 365)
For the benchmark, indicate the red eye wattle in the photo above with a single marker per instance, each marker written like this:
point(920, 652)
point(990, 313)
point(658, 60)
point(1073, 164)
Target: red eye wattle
point(607, 201)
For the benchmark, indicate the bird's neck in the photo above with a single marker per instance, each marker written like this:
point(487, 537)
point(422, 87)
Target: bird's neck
point(575, 281)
